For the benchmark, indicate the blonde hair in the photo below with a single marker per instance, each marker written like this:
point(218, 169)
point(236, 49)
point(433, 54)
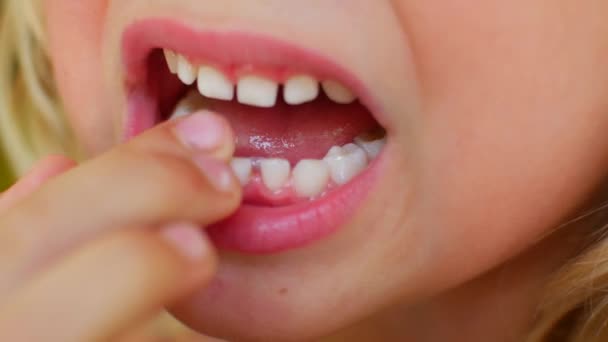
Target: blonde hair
point(31, 125)
point(575, 303)
point(31, 120)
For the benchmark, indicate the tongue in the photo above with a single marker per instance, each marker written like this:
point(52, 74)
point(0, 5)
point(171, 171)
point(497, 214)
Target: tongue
point(305, 131)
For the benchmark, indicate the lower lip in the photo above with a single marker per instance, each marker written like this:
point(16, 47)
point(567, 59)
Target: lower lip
point(267, 230)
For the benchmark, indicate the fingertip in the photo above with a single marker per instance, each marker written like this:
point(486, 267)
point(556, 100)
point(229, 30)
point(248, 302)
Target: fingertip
point(206, 131)
point(188, 240)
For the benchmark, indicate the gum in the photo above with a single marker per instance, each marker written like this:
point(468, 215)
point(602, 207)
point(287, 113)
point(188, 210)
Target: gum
point(236, 71)
point(255, 192)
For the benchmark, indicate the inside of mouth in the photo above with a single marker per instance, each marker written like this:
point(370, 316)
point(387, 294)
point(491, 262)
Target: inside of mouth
point(285, 153)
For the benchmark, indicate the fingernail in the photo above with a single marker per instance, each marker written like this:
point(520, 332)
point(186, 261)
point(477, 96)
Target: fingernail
point(217, 173)
point(202, 131)
point(188, 240)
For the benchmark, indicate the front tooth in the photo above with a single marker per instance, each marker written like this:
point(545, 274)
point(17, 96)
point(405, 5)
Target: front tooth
point(242, 168)
point(372, 147)
point(345, 162)
point(310, 177)
point(300, 89)
point(171, 59)
point(185, 71)
point(257, 91)
point(192, 102)
point(275, 173)
point(214, 84)
point(337, 92)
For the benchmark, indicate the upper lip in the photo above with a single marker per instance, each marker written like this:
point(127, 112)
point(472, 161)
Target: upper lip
point(232, 49)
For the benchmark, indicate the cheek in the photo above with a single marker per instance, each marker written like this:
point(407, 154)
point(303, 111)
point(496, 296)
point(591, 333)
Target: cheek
point(74, 29)
point(514, 123)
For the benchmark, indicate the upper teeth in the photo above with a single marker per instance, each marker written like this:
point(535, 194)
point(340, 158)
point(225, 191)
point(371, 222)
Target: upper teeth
point(212, 83)
point(300, 89)
point(185, 71)
point(255, 90)
point(338, 92)
point(171, 61)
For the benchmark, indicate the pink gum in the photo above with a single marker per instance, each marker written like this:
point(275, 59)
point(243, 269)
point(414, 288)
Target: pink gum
point(255, 192)
point(235, 72)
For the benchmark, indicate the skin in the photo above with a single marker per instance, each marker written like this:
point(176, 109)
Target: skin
point(496, 119)
point(151, 252)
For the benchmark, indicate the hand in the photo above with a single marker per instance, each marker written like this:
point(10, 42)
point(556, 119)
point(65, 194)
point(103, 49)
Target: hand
point(88, 252)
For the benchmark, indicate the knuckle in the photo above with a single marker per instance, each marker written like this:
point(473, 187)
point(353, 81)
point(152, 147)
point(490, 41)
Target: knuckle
point(166, 176)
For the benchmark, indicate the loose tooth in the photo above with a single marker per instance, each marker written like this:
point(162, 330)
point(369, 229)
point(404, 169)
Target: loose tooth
point(257, 91)
point(337, 92)
point(242, 168)
point(185, 71)
point(372, 147)
point(300, 89)
point(214, 84)
point(192, 102)
point(275, 173)
point(345, 162)
point(310, 177)
point(171, 59)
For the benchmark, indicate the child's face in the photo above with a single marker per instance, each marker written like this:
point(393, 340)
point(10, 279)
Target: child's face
point(495, 113)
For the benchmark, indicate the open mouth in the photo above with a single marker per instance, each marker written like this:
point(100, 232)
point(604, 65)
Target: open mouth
point(307, 144)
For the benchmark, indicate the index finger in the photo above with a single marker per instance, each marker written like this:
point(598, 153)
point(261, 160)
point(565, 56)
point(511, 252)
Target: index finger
point(175, 172)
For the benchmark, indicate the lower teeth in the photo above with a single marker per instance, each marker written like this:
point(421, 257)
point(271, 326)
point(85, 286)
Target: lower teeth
point(311, 177)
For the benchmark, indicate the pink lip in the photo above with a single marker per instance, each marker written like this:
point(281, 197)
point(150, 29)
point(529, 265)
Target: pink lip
point(252, 229)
